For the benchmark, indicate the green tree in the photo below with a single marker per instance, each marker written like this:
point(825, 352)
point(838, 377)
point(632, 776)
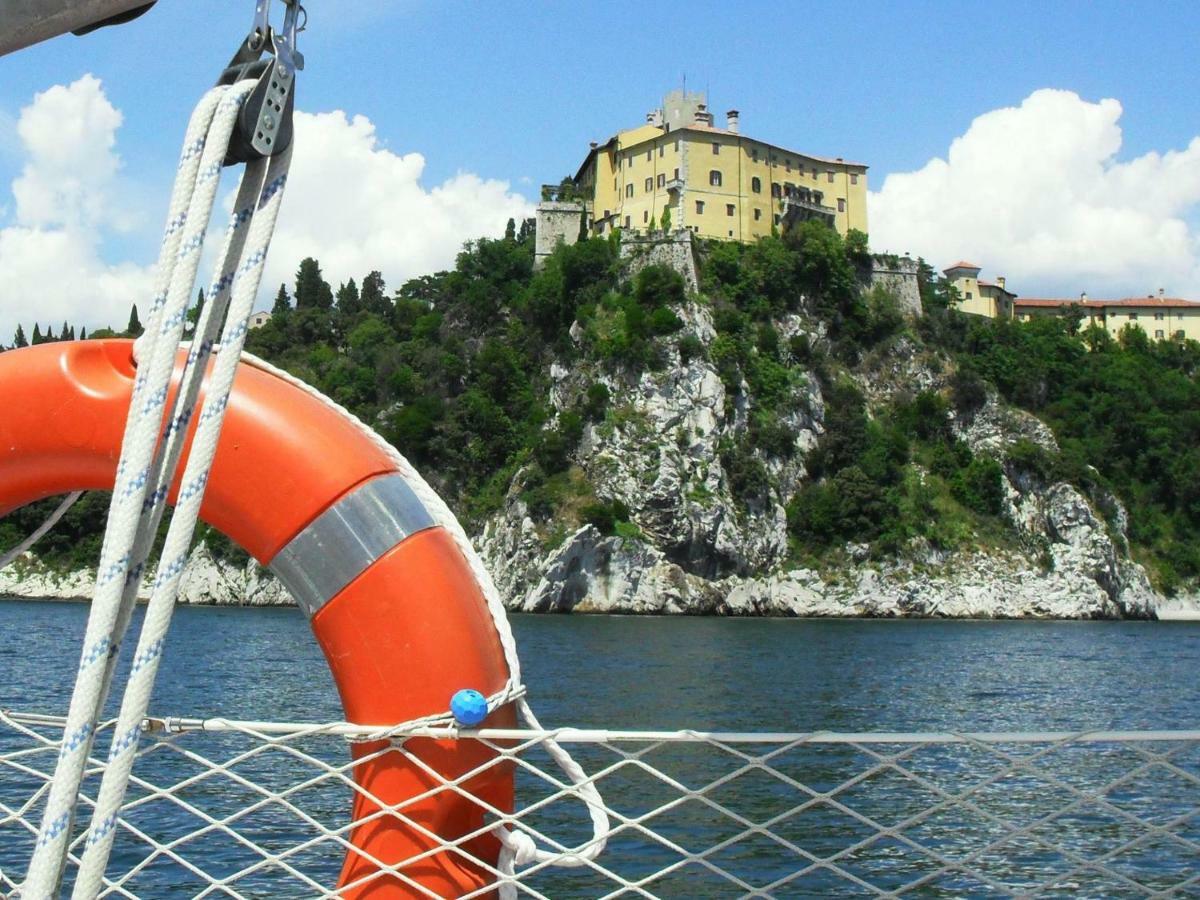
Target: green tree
point(312, 291)
point(510, 230)
point(37, 335)
point(19, 339)
point(282, 305)
point(374, 299)
point(348, 302)
point(134, 328)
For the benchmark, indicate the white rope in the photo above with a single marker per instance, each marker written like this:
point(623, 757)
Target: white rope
point(141, 471)
point(40, 531)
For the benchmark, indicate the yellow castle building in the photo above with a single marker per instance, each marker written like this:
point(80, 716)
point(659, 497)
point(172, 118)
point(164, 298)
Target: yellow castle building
point(715, 182)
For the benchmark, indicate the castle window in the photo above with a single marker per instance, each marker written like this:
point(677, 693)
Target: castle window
point(716, 148)
point(714, 178)
point(649, 154)
point(676, 145)
point(814, 173)
point(699, 207)
point(776, 218)
point(662, 148)
point(1158, 316)
point(730, 209)
point(676, 176)
point(754, 153)
point(854, 178)
point(649, 185)
point(1179, 335)
point(757, 214)
point(967, 295)
point(1158, 333)
point(788, 163)
point(841, 205)
point(1133, 317)
point(756, 185)
point(629, 189)
point(776, 191)
point(627, 221)
point(662, 180)
point(830, 174)
point(645, 215)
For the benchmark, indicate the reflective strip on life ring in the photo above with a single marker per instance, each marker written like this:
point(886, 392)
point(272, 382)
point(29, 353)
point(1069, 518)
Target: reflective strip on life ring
point(392, 602)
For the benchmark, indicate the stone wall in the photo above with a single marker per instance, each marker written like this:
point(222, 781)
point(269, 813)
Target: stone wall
point(898, 274)
point(558, 222)
point(676, 249)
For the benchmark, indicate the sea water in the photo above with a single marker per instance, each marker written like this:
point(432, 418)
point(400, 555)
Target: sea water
point(692, 673)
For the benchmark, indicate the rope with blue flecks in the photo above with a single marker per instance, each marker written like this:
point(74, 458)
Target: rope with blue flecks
point(147, 468)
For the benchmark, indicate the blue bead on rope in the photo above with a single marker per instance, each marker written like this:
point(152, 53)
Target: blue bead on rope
point(469, 707)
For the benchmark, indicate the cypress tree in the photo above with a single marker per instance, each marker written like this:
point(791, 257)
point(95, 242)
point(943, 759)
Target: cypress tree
point(510, 230)
point(72, 337)
point(83, 334)
point(283, 303)
point(134, 328)
point(19, 338)
point(64, 335)
point(312, 291)
point(373, 298)
point(193, 315)
point(37, 335)
point(48, 337)
point(348, 301)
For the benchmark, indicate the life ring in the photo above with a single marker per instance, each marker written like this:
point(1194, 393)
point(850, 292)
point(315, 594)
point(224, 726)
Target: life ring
point(391, 600)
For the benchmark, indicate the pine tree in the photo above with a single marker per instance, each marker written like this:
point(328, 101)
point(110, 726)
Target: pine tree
point(37, 335)
point(83, 334)
point(64, 335)
point(193, 315)
point(348, 302)
point(312, 291)
point(374, 300)
point(72, 336)
point(283, 303)
point(134, 328)
point(510, 230)
point(19, 338)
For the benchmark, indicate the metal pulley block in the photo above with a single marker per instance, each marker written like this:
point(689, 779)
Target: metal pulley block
point(264, 125)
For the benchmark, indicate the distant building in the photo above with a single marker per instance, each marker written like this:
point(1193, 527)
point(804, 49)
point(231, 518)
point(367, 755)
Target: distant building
point(980, 298)
point(715, 182)
point(1161, 317)
point(259, 319)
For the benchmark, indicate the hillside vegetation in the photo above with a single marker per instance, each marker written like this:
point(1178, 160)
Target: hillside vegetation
point(455, 369)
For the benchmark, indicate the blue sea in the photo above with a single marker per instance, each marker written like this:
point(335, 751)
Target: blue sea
point(765, 676)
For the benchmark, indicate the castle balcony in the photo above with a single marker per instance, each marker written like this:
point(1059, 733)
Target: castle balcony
point(674, 185)
point(799, 208)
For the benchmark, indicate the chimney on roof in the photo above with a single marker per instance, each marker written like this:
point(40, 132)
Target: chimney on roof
point(1160, 293)
point(1083, 297)
point(731, 120)
point(1000, 281)
point(703, 116)
point(593, 144)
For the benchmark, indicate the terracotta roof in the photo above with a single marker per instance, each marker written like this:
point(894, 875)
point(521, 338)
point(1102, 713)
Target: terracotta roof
point(1144, 302)
point(962, 265)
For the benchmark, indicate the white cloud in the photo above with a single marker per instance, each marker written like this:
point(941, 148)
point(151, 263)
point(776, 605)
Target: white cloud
point(50, 264)
point(351, 203)
point(356, 206)
point(1036, 192)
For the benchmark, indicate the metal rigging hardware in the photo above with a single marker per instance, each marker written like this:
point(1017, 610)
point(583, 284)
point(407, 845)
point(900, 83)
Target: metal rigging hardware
point(264, 126)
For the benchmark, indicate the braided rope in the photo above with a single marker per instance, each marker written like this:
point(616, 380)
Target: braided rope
point(115, 588)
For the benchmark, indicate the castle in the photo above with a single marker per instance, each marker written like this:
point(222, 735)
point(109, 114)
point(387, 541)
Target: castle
point(678, 168)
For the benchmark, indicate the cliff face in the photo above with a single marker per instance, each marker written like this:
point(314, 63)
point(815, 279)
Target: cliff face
point(692, 543)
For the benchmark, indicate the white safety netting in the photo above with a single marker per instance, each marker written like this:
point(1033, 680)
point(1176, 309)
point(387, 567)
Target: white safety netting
point(244, 809)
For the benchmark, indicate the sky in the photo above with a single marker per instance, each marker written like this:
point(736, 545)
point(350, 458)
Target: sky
point(1053, 143)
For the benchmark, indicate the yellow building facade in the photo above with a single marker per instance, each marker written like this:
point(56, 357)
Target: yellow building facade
point(713, 181)
point(978, 297)
point(1161, 317)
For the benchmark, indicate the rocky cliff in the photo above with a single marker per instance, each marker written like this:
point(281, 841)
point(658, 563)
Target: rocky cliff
point(690, 541)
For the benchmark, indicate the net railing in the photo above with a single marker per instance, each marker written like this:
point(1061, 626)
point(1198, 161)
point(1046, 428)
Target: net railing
point(222, 808)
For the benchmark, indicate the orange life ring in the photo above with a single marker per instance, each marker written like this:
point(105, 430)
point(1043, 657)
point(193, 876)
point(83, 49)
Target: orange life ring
point(399, 616)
